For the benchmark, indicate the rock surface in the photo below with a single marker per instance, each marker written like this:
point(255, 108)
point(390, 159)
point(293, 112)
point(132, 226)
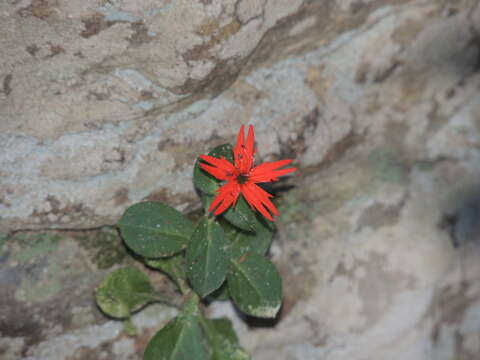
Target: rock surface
point(108, 103)
point(115, 99)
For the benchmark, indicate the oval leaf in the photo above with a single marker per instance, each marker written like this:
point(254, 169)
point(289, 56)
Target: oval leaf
point(255, 286)
point(124, 291)
point(205, 182)
point(153, 229)
point(207, 261)
point(180, 339)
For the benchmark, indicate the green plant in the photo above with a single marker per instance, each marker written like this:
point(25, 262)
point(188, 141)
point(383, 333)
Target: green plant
point(222, 256)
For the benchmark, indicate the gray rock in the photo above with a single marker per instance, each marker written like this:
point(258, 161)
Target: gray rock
point(108, 103)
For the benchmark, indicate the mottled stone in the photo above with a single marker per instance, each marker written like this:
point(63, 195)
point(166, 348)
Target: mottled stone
point(101, 97)
point(104, 104)
point(48, 308)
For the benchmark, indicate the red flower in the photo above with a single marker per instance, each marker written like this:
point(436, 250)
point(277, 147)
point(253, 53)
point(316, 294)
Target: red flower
point(242, 177)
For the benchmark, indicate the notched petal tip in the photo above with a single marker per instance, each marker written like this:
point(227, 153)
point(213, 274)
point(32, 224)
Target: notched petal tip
point(258, 199)
point(221, 163)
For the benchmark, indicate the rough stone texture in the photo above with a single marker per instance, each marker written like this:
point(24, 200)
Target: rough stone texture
point(106, 103)
point(377, 101)
point(48, 308)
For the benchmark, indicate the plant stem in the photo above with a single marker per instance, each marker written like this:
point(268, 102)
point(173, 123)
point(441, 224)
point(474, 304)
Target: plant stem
point(174, 302)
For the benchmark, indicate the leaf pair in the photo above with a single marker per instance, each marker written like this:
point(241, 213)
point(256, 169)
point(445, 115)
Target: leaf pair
point(253, 281)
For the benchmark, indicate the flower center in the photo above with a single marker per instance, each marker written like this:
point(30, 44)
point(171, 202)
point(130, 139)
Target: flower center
point(242, 179)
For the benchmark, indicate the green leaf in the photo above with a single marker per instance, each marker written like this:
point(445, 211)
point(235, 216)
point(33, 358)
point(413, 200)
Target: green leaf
point(241, 216)
point(207, 261)
point(174, 267)
point(255, 286)
point(242, 242)
point(221, 294)
point(180, 339)
point(154, 230)
point(223, 340)
point(205, 182)
point(123, 292)
point(224, 326)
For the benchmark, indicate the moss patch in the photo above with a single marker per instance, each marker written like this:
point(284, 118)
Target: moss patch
point(34, 245)
point(32, 290)
point(105, 247)
point(44, 261)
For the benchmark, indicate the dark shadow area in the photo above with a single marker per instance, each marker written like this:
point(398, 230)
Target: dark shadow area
point(259, 323)
point(463, 222)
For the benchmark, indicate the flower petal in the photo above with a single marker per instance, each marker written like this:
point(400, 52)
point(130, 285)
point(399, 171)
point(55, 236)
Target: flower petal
point(272, 176)
point(220, 174)
point(269, 166)
point(218, 200)
point(266, 172)
point(227, 195)
point(249, 149)
point(228, 200)
point(221, 163)
point(243, 153)
point(264, 198)
point(237, 150)
point(258, 200)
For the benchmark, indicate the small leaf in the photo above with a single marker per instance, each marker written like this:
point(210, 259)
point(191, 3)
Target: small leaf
point(180, 339)
point(174, 267)
point(123, 292)
point(242, 242)
point(205, 182)
point(223, 341)
point(255, 286)
point(154, 230)
point(207, 261)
